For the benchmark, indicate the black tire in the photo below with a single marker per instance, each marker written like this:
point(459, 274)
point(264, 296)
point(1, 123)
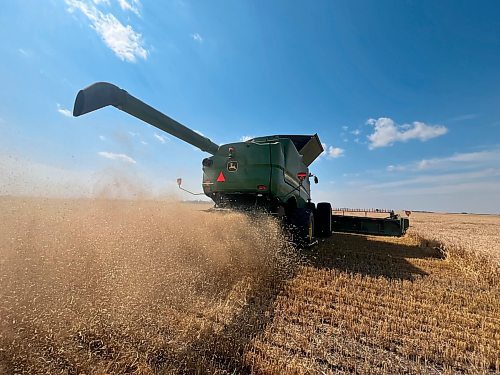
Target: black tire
point(311, 206)
point(302, 227)
point(323, 219)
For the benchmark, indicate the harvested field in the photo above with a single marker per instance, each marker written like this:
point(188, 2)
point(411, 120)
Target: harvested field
point(114, 286)
point(381, 305)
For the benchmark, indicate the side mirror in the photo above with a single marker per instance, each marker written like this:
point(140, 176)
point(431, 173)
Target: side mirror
point(316, 179)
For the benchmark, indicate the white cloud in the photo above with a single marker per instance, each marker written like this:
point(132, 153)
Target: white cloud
point(102, 138)
point(161, 138)
point(345, 128)
point(387, 132)
point(63, 111)
point(197, 37)
point(332, 152)
point(356, 132)
point(245, 138)
point(144, 142)
point(124, 41)
point(113, 156)
point(132, 6)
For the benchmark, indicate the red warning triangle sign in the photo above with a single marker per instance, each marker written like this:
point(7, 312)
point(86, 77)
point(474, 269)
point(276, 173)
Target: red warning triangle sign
point(221, 177)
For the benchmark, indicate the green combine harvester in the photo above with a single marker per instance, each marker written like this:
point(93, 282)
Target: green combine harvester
point(268, 173)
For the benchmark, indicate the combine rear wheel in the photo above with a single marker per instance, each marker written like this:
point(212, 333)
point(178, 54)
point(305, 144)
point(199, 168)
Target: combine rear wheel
point(302, 227)
point(323, 218)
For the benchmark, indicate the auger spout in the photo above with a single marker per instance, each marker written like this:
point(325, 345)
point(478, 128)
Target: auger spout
point(102, 94)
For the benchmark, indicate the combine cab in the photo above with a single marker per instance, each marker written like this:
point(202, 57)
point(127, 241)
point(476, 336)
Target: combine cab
point(268, 173)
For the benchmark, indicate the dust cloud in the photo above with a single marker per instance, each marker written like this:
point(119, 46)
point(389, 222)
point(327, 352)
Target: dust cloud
point(133, 286)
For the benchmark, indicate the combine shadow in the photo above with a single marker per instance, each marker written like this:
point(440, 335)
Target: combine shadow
point(362, 255)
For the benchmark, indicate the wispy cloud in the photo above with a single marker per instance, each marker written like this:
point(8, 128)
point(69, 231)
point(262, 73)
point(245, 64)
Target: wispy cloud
point(462, 160)
point(392, 168)
point(102, 138)
point(144, 142)
point(132, 6)
point(161, 138)
point(387, 132)
point(245, 138)
point(441, 179)
point(114, 156)
point(197, 37)
point(468, 116)
point(24, 52)
point(124, 41)
point(63, 111)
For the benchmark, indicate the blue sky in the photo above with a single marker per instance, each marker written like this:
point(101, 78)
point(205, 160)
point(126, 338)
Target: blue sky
point(405, 95)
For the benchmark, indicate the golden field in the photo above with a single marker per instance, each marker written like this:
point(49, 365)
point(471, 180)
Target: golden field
point(146, 287)
point(475, 237)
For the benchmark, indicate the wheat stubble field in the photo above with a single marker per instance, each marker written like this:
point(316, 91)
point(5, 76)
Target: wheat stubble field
point(151, 287)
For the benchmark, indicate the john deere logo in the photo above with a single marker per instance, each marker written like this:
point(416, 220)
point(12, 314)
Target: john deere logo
point(232, 166)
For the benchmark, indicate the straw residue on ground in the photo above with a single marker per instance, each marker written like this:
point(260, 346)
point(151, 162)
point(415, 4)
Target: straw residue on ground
point(141, 286)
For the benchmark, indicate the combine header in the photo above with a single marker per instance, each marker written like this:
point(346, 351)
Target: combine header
point(393, 225)
point(269, 173)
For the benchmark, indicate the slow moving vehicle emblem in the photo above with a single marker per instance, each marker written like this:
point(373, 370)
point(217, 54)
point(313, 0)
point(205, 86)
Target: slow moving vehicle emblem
point(232, 166)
